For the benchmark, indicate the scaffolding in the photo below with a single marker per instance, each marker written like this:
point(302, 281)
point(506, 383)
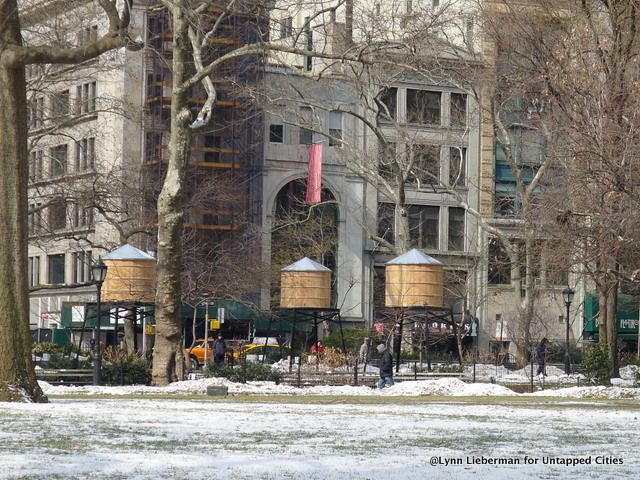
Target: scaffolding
point(225, 155)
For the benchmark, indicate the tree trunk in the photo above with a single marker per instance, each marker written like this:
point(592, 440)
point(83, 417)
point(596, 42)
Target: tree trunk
point(402, 223)
point(130, 331)
point(603, 334)
point(17, 376)
point(521, 332)
point(612, 330)
point(168, 365)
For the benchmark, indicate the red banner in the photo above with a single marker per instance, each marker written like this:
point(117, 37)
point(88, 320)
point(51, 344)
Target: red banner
point(314, 180)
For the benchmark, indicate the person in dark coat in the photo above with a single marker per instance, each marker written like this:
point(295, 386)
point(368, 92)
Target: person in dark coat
point(386, 367)
point(541, 355)
point(219, 350)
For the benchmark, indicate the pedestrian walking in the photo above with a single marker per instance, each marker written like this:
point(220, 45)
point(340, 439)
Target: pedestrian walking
point(386, 367)
point(541, 355)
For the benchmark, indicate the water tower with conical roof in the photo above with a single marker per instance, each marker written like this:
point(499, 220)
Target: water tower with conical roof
point(131, 276)
point(414, 282)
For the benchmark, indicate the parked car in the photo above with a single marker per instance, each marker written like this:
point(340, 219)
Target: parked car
point(195, 354)
point(255, 352)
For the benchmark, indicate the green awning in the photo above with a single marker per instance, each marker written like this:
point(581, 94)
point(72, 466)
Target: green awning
point(627, 316)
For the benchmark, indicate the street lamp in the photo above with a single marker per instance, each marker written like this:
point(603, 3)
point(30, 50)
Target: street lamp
point(567, 295)
point(99, 272)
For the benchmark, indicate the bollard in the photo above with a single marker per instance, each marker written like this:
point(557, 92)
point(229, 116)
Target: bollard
point(217, 391)
point(355, 374)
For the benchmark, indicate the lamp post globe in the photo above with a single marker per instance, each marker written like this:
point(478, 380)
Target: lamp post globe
point(567, 295)
point(99, 272)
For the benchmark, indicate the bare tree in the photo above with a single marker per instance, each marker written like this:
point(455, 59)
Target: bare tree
point(17, 377)
point(591, 84)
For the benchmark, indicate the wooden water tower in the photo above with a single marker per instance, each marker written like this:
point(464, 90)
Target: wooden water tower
point(414, 280)
point(305, 284)
point(131, 276)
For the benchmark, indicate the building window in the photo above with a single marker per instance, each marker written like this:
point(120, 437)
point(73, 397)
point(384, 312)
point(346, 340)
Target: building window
point(506, 205)
point(56, 269)
point(58, 164)
point(458, 109)
point(81, 267)
point(153, 146)
point(425, 161)
point(435, 3)
point(87, 35)
point(468, 28)
point(499, 264)
point(34, 219)
point(276, 133)
point(456, 229)
point(58, 215)
point(309, 46)
point(85, 154)
point(386, 161)
point(213, 148)
point(423, 226)
point(286, 27)
point(554, 271)
point(82, 216)
point(86, 98)
point(35, 113)
point(36, 165)
point(306, 126)
point(34, 271)
point(335, 129)
point(457, 166)
point(386, 221)
point(423, 107)
point(60, 104)
point(389, 100)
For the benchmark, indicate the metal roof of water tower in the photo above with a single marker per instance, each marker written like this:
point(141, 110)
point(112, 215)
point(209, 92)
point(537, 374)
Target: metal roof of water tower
point(306, 265)
point(414, 257)
point(128, 252)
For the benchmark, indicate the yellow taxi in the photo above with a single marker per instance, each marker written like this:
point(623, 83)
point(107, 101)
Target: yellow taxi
point(256, 352)
point(195, 355)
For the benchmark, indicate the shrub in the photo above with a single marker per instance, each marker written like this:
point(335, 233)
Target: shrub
point(353, 338)
point(245, 372)
point(46, 347)
point(557, 353)
point(120, 367)
point(335, 358)
point(58, 361)
point(451, 368)
point(595, 364)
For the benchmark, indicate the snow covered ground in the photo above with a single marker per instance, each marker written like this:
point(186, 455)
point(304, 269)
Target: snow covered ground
point(554, 384)
point(328, 433)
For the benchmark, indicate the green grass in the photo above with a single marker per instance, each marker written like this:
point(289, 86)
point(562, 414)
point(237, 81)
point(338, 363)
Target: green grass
point(520, 401)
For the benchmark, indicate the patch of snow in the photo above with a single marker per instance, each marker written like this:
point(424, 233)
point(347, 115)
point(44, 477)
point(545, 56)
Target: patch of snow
point(446, 387)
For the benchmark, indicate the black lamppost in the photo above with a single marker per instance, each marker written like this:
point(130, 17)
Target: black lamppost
point(99, 272)
point(567, 295)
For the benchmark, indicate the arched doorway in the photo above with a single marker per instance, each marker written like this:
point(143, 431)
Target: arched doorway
point(302, 230)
